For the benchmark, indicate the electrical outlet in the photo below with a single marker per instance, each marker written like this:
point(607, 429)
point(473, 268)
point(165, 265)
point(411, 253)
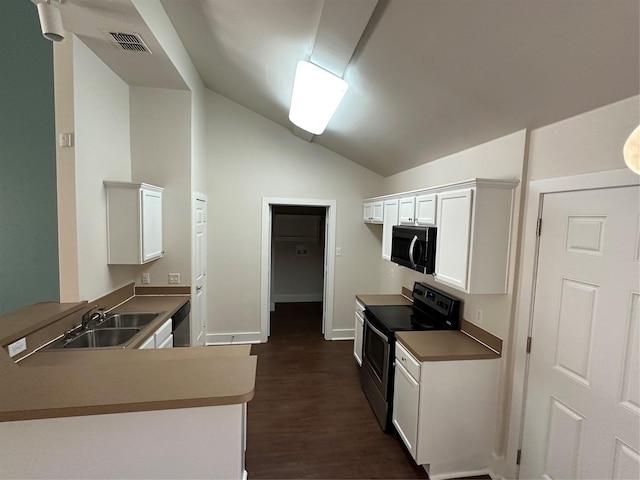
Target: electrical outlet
point(17, 347)
point(479, 316)
point(146, 278)
point(174, 278)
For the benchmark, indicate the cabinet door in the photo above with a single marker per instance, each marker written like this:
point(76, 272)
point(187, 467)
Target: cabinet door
point(390, 219)
point(367, 212)
point(357, 342)
point(378, 212)
point(426, 209)
point(373, 212)
point(406, 396)
point(149, 342)
point(168, 343)
point(454, 229)
point(407, 211)
point(151, 212)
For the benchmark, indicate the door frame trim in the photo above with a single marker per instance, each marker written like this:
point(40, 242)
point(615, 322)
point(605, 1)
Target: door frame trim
point(526, 289)
point(329, 260)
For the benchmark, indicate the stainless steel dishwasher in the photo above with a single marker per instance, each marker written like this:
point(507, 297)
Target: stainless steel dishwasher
point(181, 325)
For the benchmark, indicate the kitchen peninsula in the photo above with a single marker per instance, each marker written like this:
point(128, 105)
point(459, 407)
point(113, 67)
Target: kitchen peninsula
point(116, 413)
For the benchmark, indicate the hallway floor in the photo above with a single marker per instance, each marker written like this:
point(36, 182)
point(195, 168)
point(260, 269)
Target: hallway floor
point(309, 417)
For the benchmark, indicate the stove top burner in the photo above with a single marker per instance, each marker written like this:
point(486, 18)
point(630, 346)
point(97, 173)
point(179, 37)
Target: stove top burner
point(432, 310)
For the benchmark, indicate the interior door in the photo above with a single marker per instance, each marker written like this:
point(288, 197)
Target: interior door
point(583, 400)
point(199, 309)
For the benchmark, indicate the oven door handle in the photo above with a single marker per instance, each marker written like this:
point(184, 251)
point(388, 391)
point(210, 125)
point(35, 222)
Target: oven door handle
point(376, 331)
point(413, 244)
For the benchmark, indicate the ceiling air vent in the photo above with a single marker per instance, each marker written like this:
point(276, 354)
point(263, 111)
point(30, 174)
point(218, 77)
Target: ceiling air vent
point(131, 42)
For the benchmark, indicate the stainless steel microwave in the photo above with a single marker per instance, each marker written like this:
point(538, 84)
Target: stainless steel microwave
point(414, 247)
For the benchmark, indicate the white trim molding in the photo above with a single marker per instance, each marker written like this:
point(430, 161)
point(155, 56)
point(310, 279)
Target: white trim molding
point(232, 338)
point(343, 334)
point(524, 301)
point(265, 261)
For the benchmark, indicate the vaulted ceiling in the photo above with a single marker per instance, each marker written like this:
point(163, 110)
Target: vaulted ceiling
point(427, 77)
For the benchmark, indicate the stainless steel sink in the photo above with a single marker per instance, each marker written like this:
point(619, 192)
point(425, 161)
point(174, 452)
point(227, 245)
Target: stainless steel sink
point(127, 320)
point(108, 337)
point(101, 338)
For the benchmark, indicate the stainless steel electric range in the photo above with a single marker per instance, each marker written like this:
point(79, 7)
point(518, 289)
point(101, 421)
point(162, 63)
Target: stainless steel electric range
point(431, 310)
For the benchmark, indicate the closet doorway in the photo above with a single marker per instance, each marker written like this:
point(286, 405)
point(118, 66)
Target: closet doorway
point(298, 239)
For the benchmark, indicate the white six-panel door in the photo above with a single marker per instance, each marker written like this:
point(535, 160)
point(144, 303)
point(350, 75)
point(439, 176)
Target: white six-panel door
point(199, 307)
point(583, 400)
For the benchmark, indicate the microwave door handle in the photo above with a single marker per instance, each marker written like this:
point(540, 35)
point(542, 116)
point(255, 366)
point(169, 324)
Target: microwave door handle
point(413, 244)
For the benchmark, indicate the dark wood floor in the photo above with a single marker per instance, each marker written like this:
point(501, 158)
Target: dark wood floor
point(309, 417)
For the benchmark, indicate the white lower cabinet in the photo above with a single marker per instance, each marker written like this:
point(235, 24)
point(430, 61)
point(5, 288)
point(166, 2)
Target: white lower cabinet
point(444, 412)
point(406, 398)
point(161, 338)
point(358, 334)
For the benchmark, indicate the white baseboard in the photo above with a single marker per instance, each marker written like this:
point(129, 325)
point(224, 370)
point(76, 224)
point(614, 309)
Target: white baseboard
point(342, 334)
point(256, 337)
point(302, 298)
point(465, 474)
point(233, 338)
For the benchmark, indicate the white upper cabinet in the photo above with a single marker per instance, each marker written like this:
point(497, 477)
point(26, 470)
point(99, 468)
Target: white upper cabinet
point(407, 211)
point(134, 223)
point(373, 212)
point(473, 238)
point(452, 250)
point(390, 219)
point(426, 209)
point(473, 220)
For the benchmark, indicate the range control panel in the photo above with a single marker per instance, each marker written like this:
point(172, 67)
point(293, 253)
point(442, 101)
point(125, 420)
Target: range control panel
point(444, 304)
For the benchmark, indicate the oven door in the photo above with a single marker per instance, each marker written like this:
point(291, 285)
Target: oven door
point(376, 351)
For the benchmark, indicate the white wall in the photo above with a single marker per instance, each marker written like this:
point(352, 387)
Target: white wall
point(590, 142)
point(102, 152)
point(158, 22)
point(502, 158)
point(250, 158)
point(298, 265)
point(161, 155)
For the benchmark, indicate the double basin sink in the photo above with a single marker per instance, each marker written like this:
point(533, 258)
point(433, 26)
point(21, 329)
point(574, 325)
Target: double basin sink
point(117, 330)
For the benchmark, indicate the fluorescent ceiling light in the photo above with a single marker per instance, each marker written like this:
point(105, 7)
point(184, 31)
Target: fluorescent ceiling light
point(316, 96)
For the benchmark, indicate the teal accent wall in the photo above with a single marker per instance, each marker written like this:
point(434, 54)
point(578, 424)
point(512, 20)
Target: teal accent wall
point(28, 211)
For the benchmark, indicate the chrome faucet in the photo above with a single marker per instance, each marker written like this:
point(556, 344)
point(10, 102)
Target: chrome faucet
point(93, 315)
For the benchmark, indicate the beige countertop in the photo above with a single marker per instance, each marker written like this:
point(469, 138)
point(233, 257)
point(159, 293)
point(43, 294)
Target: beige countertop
point(63, 383)
point(444, 345)
point(385, 299)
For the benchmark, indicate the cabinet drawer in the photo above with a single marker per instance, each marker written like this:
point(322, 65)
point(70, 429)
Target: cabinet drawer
point(404, 358)
point(163, 333)
point(360, 309)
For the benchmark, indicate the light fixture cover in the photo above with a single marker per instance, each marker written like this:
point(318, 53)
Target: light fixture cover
point(316, 96)
point(50, 22)
point(631, 151)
